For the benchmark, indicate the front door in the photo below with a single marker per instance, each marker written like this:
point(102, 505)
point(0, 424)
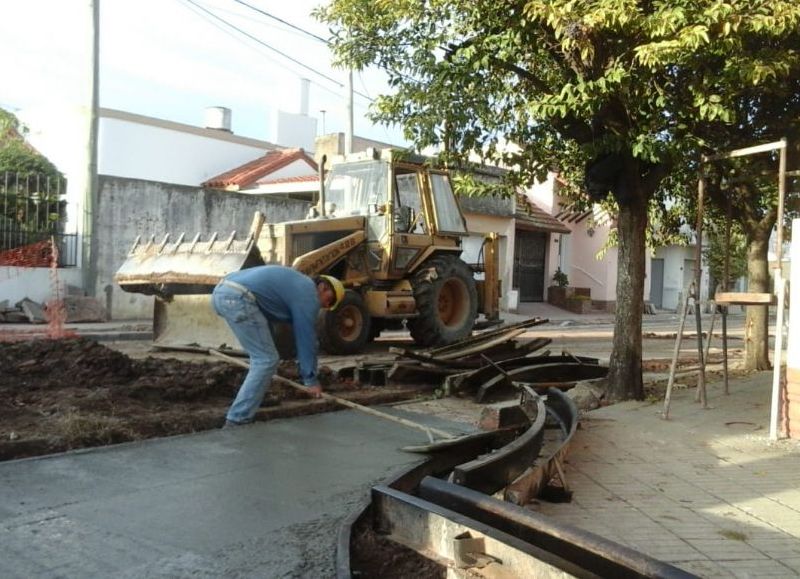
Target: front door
point(529, 256)
point(657, 282)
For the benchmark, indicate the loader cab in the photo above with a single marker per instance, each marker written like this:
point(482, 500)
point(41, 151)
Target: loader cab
point(360, 188)
point(411, 211)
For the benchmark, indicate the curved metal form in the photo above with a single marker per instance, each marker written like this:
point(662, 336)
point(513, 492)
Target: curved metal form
point(564, 413)
point(485, 373)
point(544, 374)
point(460, 527)
point(495, 471)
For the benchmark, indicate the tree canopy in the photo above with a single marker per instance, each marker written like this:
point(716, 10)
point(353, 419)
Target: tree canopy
point(17, 157)
point(620, 96)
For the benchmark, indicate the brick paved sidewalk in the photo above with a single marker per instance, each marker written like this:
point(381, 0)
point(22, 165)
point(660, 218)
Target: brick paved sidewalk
point(706, 490)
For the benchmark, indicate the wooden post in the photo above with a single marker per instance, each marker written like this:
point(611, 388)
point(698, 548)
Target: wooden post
point(676, 351)
point(701, 376)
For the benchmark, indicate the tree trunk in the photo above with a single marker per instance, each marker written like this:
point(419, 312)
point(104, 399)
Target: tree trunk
point(625, 366)
point(756, 333)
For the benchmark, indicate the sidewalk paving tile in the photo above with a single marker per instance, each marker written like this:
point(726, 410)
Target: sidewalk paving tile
point(705, 490)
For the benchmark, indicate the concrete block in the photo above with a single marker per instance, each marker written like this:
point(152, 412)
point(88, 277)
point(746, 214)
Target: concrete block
point(587, 394)
point(502, 415)
point(33, 311)
point(84, 309)
point(15, 317)
point(73, 290)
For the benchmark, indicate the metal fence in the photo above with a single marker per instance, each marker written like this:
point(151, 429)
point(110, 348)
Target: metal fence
point(32, 210)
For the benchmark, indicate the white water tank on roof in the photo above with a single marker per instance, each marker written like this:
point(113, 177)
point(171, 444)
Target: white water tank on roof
point(218, 118)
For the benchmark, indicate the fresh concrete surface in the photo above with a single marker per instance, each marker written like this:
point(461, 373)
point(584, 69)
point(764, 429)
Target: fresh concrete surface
point(705, 490)
point(264, 500)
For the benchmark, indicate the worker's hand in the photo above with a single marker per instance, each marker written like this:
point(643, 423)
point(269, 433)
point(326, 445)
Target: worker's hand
point(315, 391)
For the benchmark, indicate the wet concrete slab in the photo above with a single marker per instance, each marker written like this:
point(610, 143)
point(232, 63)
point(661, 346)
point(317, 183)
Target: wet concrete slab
point(265, 500)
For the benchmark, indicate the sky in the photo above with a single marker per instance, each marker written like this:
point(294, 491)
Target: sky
point(171, 59)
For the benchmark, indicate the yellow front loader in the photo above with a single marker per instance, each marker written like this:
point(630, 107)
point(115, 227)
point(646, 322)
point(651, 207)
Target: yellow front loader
point(387, 224)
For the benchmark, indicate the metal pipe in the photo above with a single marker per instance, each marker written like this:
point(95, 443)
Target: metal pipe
point(748, 151)
point(777, 363)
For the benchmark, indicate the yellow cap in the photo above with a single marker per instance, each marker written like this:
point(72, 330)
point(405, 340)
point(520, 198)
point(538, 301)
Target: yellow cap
point(338, 290)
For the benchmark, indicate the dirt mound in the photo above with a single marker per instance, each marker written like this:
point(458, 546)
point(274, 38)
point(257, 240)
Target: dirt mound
point(58, 395)
point(71, 393)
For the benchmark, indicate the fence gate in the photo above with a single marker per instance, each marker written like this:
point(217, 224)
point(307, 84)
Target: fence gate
point(32, 214)
point(529, 258)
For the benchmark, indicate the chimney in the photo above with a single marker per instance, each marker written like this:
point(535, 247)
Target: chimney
point(218, 118)
point(304, 84)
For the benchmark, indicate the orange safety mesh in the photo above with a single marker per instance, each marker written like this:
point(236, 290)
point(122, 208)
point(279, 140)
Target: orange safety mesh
point(40, 254)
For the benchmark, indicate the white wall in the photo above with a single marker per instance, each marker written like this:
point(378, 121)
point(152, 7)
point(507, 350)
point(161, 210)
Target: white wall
point(168, 152)
point(35, 283)
point(294, 130)
point(674, 257)
point(585, 270)
point(294, 169)
point(478, 225)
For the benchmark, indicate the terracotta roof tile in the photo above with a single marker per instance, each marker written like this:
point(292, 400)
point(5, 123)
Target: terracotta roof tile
point(250, 173)
point(535, 217)
point(299, 179)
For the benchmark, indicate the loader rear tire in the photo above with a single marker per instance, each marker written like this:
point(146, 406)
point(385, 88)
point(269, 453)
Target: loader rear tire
point(346, 329)
point(447, 301)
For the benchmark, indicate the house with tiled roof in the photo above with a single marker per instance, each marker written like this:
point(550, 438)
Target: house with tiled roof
point(290, 172)
point(590, 262)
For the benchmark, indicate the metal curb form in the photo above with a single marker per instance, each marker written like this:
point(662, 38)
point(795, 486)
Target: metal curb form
point(467, 529)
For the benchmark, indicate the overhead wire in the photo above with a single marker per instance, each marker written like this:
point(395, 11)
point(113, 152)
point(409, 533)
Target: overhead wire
point(264, 44)
point(233, 35)
point(284, 22)
point(239, 30)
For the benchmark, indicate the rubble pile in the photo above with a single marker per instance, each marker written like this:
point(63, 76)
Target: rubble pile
point(77, 309)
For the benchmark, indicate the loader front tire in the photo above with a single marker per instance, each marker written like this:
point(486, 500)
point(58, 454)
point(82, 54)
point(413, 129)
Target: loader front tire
point(446, 299)
point(346, 329)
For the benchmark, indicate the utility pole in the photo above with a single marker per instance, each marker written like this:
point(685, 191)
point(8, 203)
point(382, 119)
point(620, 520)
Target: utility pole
point(88, 245)
point(348, 134)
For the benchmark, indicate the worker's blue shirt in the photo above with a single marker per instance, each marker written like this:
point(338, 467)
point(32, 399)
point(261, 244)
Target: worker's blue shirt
point(286, 295)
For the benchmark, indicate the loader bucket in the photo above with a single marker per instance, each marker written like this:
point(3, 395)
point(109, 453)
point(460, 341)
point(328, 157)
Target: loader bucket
point(182, 274)
point(184, 267)
point(189, 321)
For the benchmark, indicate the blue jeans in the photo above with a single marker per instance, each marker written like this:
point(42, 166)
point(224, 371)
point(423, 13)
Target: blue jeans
point(238, 307)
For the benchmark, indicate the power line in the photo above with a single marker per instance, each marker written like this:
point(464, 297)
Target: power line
point(233, 35)
point(264, 44)
point(289, 24)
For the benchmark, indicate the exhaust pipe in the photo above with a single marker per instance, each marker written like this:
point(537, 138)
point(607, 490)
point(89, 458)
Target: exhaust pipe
point(322, 185)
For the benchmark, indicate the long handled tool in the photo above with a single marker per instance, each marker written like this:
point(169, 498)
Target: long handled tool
point(365, 409)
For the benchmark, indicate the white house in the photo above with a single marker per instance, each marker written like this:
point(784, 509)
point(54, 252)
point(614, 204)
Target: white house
point(669, 269)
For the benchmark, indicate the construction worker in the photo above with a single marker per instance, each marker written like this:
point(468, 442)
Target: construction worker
point(249, 300)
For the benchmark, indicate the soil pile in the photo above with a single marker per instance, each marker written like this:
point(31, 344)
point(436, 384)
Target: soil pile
point(63, 394)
